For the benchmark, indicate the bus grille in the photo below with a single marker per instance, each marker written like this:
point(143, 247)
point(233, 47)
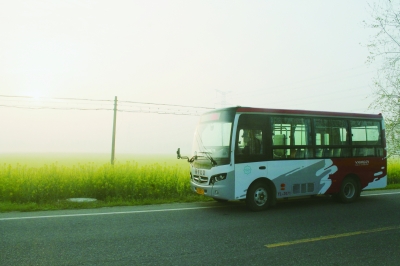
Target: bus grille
point(200, 179)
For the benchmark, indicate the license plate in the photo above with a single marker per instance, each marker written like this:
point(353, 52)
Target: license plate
point(200, 191)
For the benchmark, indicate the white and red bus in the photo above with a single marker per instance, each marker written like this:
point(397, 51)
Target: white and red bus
point(261, 155)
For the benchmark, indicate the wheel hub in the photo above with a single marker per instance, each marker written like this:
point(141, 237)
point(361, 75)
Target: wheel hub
point(349, 190)
point(260, 196)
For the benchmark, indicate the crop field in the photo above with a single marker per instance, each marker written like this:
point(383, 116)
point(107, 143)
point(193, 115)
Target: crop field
point(54, 178)
point(394, 173)
point(134, 179)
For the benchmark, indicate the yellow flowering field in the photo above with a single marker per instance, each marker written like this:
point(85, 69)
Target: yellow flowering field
point(133, 178)
point(148, 178)
point(394, 173)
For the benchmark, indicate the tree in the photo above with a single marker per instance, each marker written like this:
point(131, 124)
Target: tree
point(384, 48)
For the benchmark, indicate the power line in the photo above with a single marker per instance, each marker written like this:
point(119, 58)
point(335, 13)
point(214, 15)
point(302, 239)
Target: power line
point(53, 98)
point(130, 106)
point(155, 111)
point(160, 112)
point(101, 100)
point(54, 108)
point(163, 104)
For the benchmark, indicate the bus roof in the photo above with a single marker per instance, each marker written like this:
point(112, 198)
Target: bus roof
point(240, 109)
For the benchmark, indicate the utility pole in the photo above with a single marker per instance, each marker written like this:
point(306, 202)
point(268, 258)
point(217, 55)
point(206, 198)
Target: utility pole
point(113, 134)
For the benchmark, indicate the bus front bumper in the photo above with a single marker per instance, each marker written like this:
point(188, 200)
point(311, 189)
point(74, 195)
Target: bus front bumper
point(214, 191)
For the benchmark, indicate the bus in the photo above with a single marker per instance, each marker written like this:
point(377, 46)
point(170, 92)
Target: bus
point(262, 155)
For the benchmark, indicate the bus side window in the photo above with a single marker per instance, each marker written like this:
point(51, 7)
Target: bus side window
point(319, 153)
point(336, 152)
point(330, 138)
point(300, 153)
point(279, 140)
point(252, 142)
point(365, 136)
point(240, 140)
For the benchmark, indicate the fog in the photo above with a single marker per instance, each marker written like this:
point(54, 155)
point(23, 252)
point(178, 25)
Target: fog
point(161, 59)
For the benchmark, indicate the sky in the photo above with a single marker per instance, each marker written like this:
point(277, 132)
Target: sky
point(62, 63)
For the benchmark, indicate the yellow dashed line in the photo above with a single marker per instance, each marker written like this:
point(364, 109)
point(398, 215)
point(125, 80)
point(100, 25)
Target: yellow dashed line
point(306, 240)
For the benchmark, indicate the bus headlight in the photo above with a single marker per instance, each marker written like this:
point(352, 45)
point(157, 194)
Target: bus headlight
point(217, 178)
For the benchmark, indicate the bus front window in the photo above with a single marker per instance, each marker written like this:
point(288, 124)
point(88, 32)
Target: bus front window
point(212, 139)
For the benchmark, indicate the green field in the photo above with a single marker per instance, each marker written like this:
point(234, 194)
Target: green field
point(393, 173)
point(46, 181)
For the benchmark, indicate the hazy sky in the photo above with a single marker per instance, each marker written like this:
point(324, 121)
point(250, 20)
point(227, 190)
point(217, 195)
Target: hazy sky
point(280, 54)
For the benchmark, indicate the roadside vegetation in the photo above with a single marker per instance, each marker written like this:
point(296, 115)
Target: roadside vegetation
point(41, 186)
point(148, 180)
point(393, 173)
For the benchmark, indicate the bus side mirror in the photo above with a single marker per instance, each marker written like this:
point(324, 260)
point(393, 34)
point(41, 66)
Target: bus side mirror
point(178, 155)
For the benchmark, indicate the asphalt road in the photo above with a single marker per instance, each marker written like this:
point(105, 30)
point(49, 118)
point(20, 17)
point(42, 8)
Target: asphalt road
point(314, 231)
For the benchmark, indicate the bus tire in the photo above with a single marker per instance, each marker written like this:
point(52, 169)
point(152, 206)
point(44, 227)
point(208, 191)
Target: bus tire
point(349, 190)
point(258, 196)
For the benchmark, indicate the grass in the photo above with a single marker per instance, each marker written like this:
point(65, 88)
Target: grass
point(133, 180)
point(139, 180)
point(65, 204)
point(393, 173)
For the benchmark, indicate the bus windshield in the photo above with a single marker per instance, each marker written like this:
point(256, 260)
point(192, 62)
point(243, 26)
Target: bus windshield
point(213, 136)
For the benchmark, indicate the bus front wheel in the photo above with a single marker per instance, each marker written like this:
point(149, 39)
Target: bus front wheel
point(258, 196)
point(349, 190)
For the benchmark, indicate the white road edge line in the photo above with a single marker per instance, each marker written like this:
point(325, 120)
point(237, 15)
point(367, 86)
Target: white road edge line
point(103, 213)
point(390, 193)
point(144, 211)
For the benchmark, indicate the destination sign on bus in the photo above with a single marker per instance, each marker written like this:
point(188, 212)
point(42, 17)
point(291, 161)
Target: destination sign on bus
point(210, 117)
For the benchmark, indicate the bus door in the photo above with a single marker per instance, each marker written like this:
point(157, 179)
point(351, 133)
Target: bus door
point(250, 151)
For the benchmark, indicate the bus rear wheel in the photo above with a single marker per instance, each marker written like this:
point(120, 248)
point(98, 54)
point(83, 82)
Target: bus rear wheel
point(349, 190)
point(258, 196)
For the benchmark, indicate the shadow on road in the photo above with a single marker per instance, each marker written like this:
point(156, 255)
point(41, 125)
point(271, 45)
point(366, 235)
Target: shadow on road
point(298, 204)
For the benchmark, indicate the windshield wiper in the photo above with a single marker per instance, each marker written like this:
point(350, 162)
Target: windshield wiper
point(207, 153)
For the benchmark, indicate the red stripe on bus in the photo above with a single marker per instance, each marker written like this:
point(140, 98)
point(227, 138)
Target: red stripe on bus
point(305, 112)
